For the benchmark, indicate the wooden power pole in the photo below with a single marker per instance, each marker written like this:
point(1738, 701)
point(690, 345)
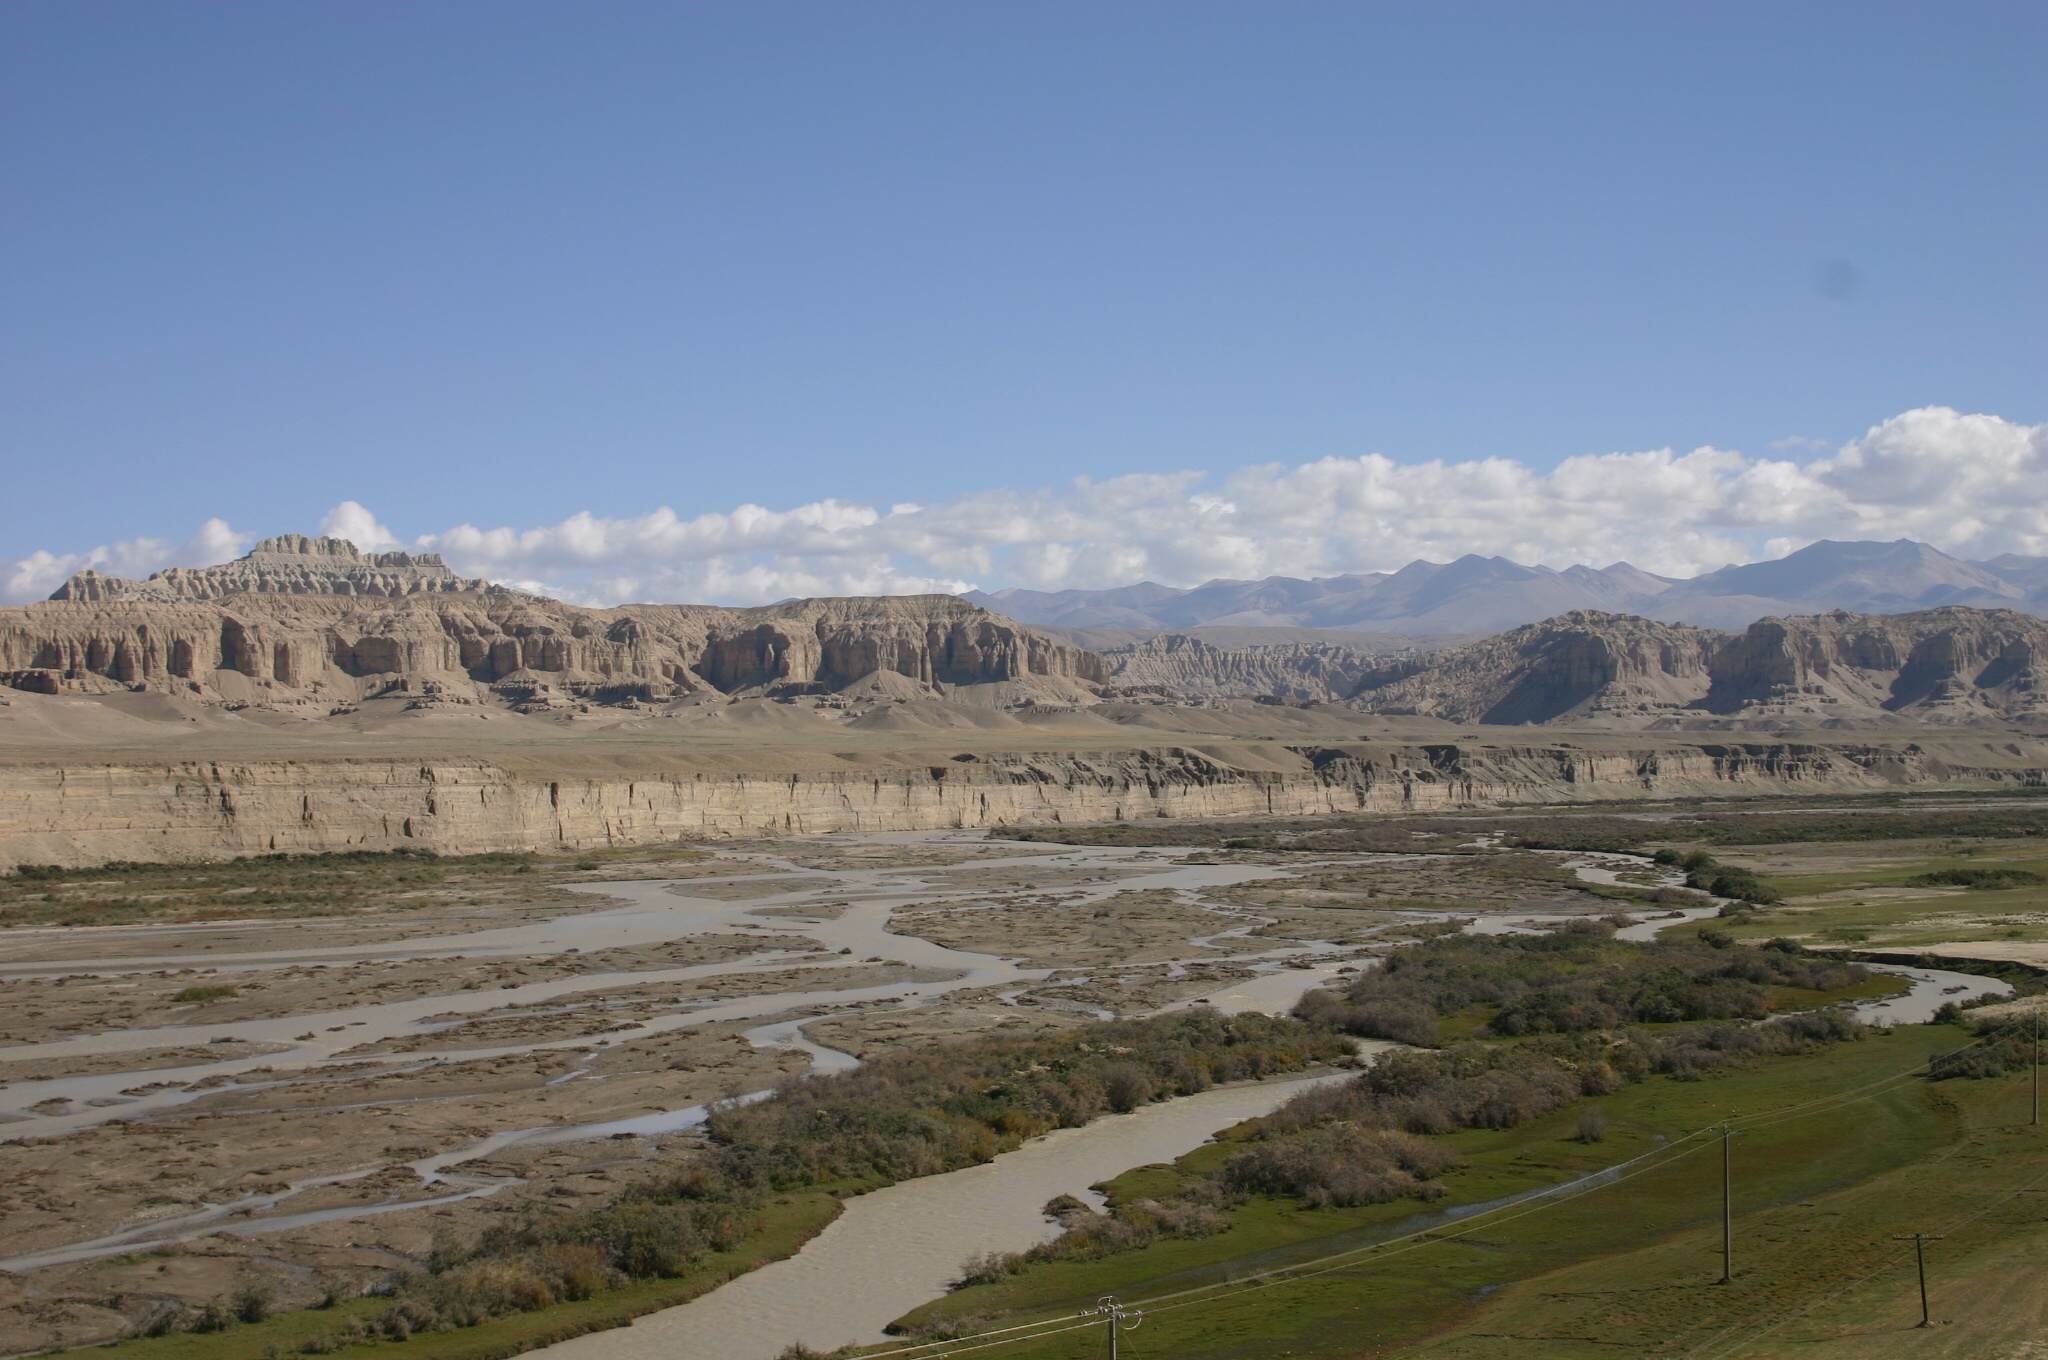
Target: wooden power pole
point(1120, 1318)
point(1727, 1209)
point(1920, 1241)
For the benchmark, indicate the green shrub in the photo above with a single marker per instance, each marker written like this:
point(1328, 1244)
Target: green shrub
point(1127, 1086)
point(211, 992)
point(935, 1110)
point(1342, 1164)
point(1977, 878)
point(255, 1301)
point(1567, 981)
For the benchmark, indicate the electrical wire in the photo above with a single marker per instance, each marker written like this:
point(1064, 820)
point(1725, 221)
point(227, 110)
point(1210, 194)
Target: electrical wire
point(1545, 1199)
point(1896, 1260)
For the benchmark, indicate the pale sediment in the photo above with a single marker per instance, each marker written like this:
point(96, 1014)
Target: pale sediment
point(82, 814)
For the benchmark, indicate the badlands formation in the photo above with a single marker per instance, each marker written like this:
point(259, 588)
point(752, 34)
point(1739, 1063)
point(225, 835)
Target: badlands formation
point(312, 698)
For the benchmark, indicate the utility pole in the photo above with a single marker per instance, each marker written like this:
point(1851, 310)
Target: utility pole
point(1727, 1209)
point(2037, 1064)
point(1120, 1318)
point(1919, 1241)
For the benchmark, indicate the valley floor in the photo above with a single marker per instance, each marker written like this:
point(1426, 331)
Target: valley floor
point(375, 1055)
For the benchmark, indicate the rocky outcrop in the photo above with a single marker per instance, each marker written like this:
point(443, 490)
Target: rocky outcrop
point(289, 565)
point(178, 811)
point(302, 647)
point(1582, 666)
point(1186, 667)
point(1952, 665)
point(313, 626)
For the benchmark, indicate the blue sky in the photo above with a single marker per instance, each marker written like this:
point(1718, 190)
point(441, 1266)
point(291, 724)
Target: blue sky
point(495, 264)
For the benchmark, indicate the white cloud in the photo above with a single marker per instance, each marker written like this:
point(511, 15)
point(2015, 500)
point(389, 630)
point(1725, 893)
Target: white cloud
point(1972, 485)
point(356, 524)
point(33, 577)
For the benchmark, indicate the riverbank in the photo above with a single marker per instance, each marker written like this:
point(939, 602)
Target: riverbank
point(898, 1248)
point(1382, 1300)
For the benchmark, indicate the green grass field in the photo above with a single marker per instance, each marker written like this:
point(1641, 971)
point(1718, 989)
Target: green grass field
point(1864, 894)
point(1819, 1276)
point(1626, 1269)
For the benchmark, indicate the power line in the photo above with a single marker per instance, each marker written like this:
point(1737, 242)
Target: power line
point(1767, 1328)
point(1733, 1333)
point(1727, 1209)
point(1118, 1318)
point(1546, 1198)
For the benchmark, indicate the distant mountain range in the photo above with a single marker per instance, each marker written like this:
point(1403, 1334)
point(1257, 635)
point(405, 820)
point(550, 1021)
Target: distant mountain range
point(1491, 594)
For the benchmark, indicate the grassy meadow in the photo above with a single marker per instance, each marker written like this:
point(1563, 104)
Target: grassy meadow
point(1440, 1286)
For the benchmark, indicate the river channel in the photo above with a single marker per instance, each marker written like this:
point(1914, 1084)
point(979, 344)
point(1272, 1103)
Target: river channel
point(897, 1248)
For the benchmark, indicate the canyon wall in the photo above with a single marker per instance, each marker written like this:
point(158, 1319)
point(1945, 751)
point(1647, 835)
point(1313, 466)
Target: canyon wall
point(1951, 666)
point(311, 653)
point(184, 811)
point(1579, 666)
point(1189, 667)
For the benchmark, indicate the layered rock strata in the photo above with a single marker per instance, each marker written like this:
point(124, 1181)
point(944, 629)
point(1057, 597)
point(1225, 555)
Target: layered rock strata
point(1954, 665)
point(292, 564)
point(78, 815)
point(311, 624)
point(1581, 665)
point(1949, 666)
point(1188, 667)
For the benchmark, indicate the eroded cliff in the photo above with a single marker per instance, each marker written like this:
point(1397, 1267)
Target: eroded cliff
point(1953, 666)
point(195, 810)
point(311, 625)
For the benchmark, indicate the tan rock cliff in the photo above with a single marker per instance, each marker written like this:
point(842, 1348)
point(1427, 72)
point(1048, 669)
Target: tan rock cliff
point(310, 624)
point(196, 810)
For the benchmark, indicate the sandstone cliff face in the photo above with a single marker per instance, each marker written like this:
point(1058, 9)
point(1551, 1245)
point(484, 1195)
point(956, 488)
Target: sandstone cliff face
point(1952, 665)
point(385, 625)
point(180, 811)
point(313, 626)
point(289, 565)
point(1191, 668)
point(820, 645)
point(1579, 666)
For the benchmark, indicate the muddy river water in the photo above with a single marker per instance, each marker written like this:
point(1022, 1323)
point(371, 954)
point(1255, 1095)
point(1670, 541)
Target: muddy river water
point(897, 1248)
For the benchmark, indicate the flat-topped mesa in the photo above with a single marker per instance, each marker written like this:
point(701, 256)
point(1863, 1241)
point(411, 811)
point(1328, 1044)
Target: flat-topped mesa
point(290, 564)
point(310, 624)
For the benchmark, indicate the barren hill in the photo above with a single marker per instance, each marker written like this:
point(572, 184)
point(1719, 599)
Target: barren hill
point(1189, 667)
point(1582, 665)
point(1949, 666)
point(311, 698)
point(311, 625)
point(1954, 665)
point(289, 565)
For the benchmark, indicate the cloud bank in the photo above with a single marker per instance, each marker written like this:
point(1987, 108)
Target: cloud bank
point(1972, 485)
